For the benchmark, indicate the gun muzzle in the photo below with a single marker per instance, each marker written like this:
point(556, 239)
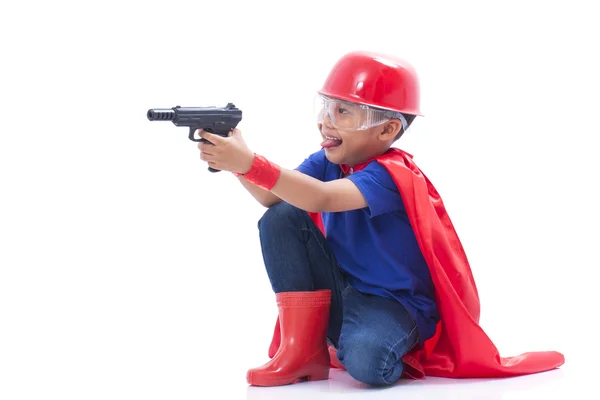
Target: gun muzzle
point(161, 114)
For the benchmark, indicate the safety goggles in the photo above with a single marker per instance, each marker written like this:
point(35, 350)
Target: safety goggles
point(347, 115)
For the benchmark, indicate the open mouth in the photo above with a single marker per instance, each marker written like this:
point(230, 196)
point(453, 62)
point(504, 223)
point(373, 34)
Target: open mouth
point(331, 141)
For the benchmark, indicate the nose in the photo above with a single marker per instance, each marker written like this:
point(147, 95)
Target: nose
point(327, 120)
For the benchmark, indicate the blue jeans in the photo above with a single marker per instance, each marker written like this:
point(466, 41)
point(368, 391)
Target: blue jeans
point(371, 333)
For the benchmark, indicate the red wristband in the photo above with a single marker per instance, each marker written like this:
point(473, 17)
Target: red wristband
point(262, 173)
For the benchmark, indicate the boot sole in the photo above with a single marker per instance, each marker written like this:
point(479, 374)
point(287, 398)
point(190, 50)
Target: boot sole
point(258, 380)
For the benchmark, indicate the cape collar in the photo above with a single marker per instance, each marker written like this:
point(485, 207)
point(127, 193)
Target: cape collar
point(348, 169)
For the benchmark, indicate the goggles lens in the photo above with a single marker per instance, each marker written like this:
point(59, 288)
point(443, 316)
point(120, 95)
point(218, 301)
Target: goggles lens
point(346, 115)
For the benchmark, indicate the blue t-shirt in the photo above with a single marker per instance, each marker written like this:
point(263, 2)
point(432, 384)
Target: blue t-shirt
point(376, 245)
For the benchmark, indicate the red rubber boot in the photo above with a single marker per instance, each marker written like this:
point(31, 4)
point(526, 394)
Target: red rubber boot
point(303, 353)
point(276, 341)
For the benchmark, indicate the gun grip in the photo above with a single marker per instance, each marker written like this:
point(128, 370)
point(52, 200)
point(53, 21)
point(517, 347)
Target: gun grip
point(211, 169)
point(192, 138)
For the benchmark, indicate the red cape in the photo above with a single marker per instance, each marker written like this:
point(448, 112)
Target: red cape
point(460, 348)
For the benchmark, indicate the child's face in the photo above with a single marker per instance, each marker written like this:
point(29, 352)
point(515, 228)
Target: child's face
point(353, 146)
point(351, 132)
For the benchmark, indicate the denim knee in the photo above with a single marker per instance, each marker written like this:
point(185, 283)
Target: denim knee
point(278, 217)
point(369, 361)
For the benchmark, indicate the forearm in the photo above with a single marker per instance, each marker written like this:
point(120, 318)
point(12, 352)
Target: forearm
point(304, 191)
point(263, 196)
point(300, 190)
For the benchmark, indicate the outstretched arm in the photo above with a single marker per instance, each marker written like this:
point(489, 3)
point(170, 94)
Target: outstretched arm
point(298, 189)
point(308, 193)
point(313, 195)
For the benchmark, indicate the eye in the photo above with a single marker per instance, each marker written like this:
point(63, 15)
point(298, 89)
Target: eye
point(343, 110)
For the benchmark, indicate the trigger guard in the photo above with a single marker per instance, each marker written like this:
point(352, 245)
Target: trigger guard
point(192, 138)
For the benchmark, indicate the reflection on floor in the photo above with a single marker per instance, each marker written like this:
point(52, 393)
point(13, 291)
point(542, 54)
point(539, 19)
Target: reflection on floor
point(546, 385)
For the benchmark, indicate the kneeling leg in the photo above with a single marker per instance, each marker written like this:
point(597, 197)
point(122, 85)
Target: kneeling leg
point(376, 334)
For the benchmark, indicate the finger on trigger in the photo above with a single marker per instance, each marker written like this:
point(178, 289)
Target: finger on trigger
point(212, 138)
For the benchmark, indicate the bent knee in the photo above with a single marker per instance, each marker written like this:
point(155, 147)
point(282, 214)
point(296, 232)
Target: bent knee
point(279, 215)
point(368, 360)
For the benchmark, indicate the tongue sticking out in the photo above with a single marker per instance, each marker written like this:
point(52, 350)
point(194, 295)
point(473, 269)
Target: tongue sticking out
point(328, 143)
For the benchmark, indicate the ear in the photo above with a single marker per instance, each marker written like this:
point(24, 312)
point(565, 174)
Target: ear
point(390, 129)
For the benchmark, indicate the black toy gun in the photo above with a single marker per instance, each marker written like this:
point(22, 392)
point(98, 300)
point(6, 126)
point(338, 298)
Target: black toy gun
point(217, 120)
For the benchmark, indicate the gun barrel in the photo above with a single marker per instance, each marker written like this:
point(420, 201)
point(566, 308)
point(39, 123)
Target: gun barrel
point(161, 114)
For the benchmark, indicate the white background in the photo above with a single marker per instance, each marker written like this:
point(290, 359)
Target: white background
point(127, 270)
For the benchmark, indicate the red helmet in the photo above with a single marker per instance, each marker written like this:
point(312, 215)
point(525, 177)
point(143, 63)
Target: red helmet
point(376, 80)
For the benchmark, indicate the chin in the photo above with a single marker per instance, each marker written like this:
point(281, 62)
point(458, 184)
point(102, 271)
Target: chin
point(334, 155)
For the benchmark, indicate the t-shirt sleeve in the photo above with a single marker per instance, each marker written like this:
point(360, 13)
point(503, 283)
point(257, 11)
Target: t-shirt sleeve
point(314, 165)
point(378, 188)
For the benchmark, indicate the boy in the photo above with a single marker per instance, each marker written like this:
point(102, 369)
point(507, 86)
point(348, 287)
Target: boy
point(359, 249)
